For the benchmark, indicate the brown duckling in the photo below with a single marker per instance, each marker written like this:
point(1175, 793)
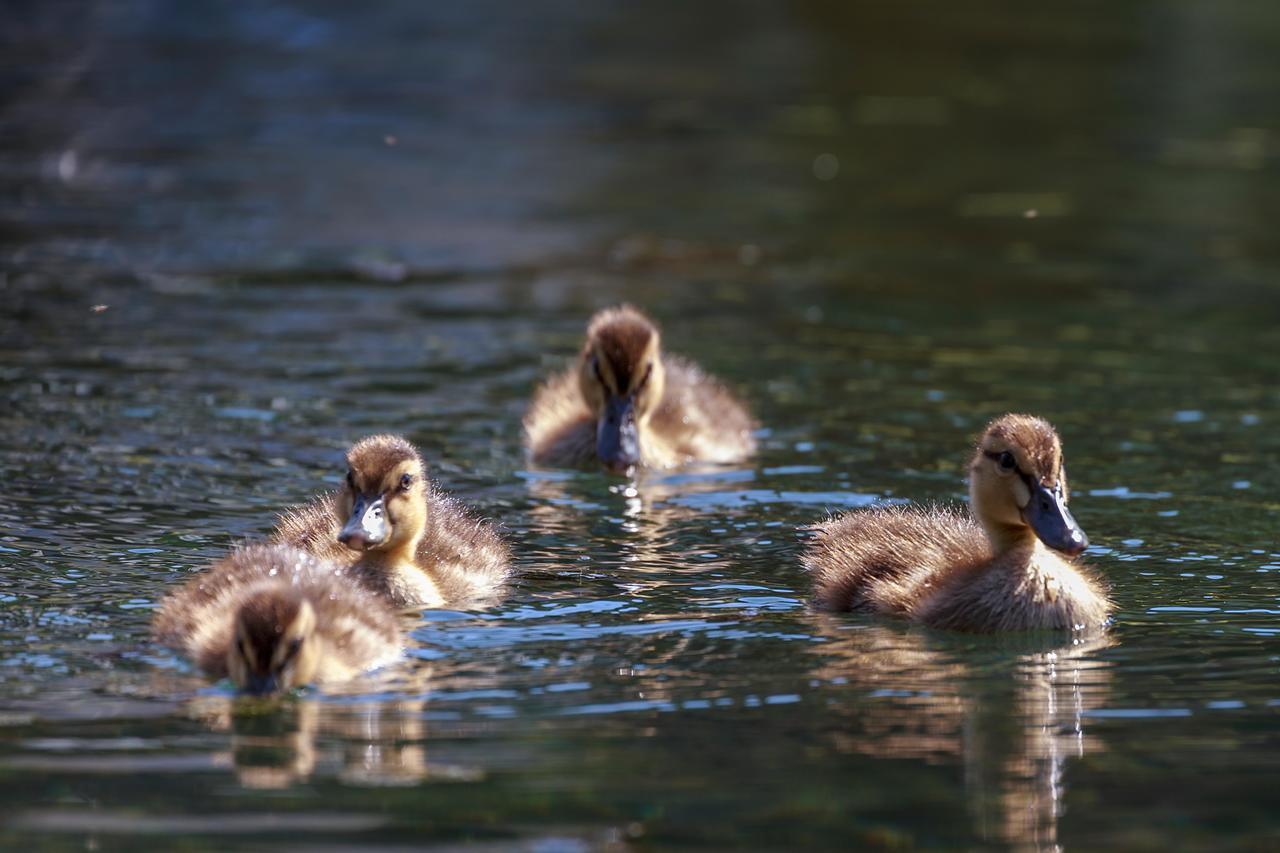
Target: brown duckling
point(626, 403)
point(272, 618)
point(403, 538)
point(1006, 567)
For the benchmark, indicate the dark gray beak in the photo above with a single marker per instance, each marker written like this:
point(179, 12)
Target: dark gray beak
point(367, 526)
point(1052, 521)
point(261, 684)
point(617, 439)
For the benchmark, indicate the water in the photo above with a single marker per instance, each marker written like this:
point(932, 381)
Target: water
point(883, 224)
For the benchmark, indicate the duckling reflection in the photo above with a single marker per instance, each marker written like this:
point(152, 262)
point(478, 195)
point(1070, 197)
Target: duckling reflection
point(626, 404)
point(402, 536)
point(647, 496)
point(999, 570)
point(367, 743)
point(1012, 728)
point(268, 751)
point(1052, 693)
point(646, 510)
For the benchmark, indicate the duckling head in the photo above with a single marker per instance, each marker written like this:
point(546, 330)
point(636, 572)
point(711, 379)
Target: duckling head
point(272, 649)
point(621, 376)
point(1018, 486)
point(384, 499)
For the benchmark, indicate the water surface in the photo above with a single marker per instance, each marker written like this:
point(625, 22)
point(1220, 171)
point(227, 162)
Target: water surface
point(883, 224)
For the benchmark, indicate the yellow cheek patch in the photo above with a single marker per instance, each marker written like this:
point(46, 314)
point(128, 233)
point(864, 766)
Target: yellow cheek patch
point(391, 484)
point(1021, 494)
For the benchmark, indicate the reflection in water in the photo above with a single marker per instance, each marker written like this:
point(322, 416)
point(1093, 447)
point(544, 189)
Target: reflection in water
point(413, 207)
point(643, 512)
point(1013, 727)
point(1052, 691)
point(647, 493)
point(363, 742)
point(271, 749)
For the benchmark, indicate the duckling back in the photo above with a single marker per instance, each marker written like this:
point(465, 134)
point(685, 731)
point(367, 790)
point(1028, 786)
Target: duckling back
point(471, 563)
point(699, 419)
point(358, 630)
point(314, 528)
point(886, 559)
point(1028, 590)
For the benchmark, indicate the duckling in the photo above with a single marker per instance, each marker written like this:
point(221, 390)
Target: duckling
point(402, 537)
point(272, 618)
point(1001, 569)
point(626, 403)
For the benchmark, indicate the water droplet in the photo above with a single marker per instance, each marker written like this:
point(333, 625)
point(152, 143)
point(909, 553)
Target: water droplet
point(826, 167)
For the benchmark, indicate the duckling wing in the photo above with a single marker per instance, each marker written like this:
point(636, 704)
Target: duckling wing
point(558, 428)
point(468, 559)
point(887, 559)
point(190, 620)
point(359, 627)
point(700, 417)
point(185, 611)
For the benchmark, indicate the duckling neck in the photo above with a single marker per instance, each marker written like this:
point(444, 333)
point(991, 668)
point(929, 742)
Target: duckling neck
point(398, 573)
point(1019, 551)
point(399, 558)
point(1005, 538)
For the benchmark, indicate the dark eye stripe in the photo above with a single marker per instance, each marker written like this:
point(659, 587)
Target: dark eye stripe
point(293, 649)
point(991, 454)
point(1026, 478)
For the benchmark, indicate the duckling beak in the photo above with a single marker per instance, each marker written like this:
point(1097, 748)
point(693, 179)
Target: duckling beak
point(1049, 517)
point(367, 526)
point(617, 439)
point(261, 684)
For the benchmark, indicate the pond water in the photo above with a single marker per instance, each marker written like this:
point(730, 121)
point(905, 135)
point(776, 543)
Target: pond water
point(882, 223)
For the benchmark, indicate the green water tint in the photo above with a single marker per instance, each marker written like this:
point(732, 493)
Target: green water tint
point(882, 225)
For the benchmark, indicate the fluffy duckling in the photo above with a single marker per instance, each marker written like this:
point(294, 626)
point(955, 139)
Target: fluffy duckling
point(1007, 567)
point(626, 403)
point(273, 618)
point(404, 539)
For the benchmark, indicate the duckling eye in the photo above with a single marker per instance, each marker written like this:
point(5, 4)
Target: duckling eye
point(294, 646)
point(1006, 461)
point(406, 481)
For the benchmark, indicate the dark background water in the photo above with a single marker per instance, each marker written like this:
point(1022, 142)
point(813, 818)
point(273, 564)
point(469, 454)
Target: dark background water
point(882, 223)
